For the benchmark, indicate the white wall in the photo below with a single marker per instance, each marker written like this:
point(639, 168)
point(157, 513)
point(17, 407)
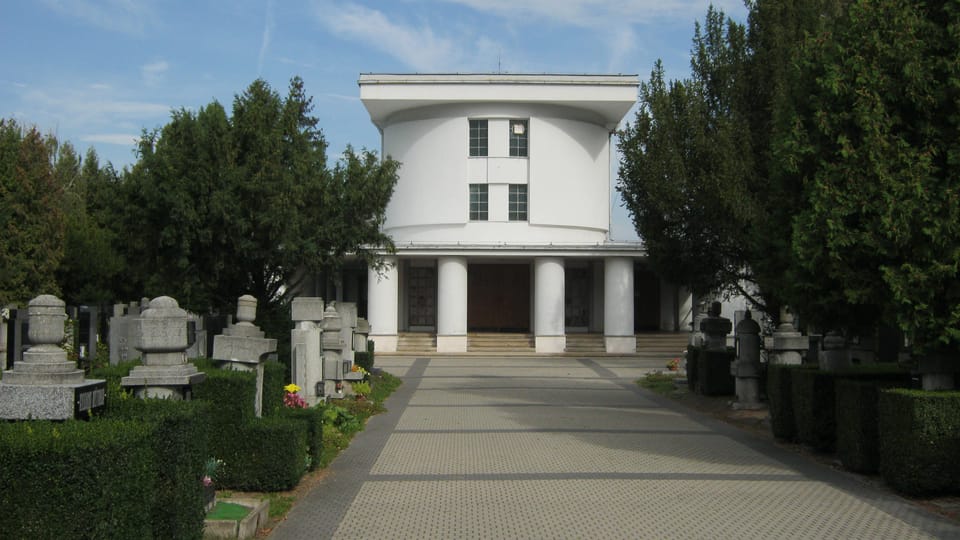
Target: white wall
point(567, 173)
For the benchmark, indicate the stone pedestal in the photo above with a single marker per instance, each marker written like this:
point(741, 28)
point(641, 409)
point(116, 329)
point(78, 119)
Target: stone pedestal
point(306, 364)
point(835, 353)
point(789, 345)
point(243, 347)
point(746, 368)
point(164, 340)
point(44, 385)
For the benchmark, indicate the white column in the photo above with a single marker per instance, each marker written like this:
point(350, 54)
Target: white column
point(382, 297)
point(452, 304)
point(618, 305)
point(548, 321)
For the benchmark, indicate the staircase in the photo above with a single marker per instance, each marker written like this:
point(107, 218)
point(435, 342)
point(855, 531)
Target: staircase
point(662, 343)
point(416, 342)
point(500, 343)
point(586, 344)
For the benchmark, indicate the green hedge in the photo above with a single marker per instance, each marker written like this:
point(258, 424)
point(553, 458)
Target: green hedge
point(858, 435)
point(693, 355)
point(713, 372)
point(780, 397)
point(814, 401)
point(275, 376)
point(180, 451)
point(365, 359)
point(312, 420)
point(920, 441)
point(268, 454)
point(76, 479)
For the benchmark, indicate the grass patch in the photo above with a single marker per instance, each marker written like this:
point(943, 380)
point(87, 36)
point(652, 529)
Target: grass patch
point(660, 383)
point(227, 510)
point(280, 504)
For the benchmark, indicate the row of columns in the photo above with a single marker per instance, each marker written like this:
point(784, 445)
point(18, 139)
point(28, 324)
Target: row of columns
point(548, 323)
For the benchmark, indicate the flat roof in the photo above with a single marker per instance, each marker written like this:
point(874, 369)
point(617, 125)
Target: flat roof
point(608, 97)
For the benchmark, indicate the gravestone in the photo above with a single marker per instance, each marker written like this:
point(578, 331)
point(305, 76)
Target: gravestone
point(306, 362)
point(164, 339)
point(789, 346)
point(44, 384)
point(332, 343)
point(746, 368)
point(243, 347)
point(122, 334)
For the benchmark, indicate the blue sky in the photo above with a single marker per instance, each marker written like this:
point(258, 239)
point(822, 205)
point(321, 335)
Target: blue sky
point(97, 72)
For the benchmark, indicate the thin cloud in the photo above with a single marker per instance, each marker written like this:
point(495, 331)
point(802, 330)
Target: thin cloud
point(419, 48)
point(154, 72)
point(122, 139)
point(122, 16)
point(265, 40)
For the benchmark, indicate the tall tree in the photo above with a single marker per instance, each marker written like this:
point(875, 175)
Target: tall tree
point(31, 215)
point(878, 153)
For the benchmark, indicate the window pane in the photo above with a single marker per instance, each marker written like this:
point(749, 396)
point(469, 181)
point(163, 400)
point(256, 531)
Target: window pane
point(518, 138)
point(478, 138)
point(478, 202)
point(518, 202)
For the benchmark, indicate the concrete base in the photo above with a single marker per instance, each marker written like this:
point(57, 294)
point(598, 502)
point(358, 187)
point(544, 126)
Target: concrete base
point(551, 344)
point(163, 382)
point(451, 344)
point(385, 343)
point(48, 402)
point(240, 529)
point(620, 344)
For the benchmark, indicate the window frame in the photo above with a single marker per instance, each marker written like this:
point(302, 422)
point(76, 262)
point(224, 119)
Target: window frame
point(519, 144)
point(518, 203)
point(479, 137)
point(479, 208)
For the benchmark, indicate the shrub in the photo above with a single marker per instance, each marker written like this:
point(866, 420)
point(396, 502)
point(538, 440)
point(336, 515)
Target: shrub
point(920, 441)
point(312, 419)
point(76, 479)
point(780, 396)
point(179, 443)
point(268, 454)
point(857, 409)
point(275, 377)
point(713, 372)
point(693, 354)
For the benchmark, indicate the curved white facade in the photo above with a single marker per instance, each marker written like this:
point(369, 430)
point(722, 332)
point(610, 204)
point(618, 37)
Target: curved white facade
point(502, 208)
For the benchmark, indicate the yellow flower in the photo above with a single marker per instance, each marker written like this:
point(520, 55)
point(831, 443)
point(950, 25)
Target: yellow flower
point(292, 388)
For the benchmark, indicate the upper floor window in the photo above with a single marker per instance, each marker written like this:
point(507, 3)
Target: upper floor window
point(478, 138)
point(518, 202)
point(518, 138)
point(478, 202)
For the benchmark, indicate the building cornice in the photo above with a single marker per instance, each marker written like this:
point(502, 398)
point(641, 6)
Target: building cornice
point(513, 250)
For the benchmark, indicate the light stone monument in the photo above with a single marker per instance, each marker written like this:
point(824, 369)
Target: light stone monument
point(788, 345)
point(835, 353)
point(715, 329)
point(361, 335)
point(164, 339)
point(333, 345)
point(746, 368)
point(243, 347)
point(44, 385)
point(306, 364)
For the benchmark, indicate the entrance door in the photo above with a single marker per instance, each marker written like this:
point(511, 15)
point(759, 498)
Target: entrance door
point(422, 304)
point(576, 295)
point(498, 298)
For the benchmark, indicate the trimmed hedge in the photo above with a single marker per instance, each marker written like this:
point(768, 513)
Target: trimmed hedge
point(693, 355)
point(365, 359)
point(858, 431)
point(312, 419)
point(275, 377)
point(814, 400)
point(76, 479)
point(713, 372)
point(780, 396)
point(269, 454)
point(813, 408)
point(179, 443)
point(920, 441)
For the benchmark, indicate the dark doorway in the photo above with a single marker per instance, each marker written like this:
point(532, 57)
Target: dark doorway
point(498, 298)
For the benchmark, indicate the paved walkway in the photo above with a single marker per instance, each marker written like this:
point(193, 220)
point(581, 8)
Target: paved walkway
point(572, 448)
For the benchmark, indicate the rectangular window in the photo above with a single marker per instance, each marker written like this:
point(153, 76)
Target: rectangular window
point(518, 202)
point(478, 138)
point(518, 138)
point(478, 202)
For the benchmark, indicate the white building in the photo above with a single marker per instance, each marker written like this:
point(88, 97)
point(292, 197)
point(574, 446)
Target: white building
point(501, 214)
